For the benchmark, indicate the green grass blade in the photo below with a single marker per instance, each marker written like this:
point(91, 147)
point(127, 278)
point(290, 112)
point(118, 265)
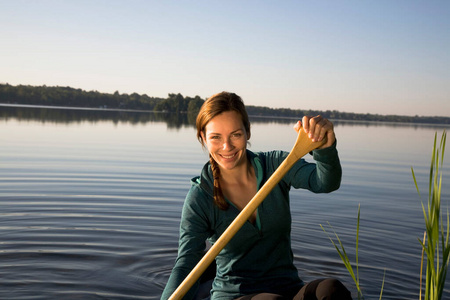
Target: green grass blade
point(342, 253)
point(344, 257)
point(357, 243)
point(415, 181)
point(382, 284)
point(432, 166)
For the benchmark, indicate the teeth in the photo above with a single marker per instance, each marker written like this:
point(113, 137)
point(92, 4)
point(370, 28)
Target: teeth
point(230, 156)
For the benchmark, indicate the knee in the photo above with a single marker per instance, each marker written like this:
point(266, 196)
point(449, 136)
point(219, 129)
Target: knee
point(332, 289)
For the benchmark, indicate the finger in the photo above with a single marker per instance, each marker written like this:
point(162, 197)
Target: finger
point(298, 126)
point(320, 132)
point(313, 122)
point(305, 123)
point(321, 129)
point(331, 138)
point(327, 132)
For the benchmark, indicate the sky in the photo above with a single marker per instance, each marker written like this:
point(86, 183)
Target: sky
point(380, 57)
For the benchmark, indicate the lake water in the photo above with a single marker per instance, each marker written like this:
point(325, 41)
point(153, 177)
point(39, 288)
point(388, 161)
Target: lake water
point(90, 202)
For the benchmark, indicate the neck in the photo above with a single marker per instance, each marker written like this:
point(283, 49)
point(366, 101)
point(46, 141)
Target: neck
point(241, 173)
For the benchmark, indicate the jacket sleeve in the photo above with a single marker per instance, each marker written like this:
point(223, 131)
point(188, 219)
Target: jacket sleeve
point(323, 176)
point(194, 230)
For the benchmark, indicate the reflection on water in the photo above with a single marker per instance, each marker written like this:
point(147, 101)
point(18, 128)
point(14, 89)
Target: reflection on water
point(90, 202)
point(58, 115)
point(71, 115)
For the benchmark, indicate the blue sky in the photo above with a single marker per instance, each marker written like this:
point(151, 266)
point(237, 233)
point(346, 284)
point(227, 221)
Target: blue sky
point(382, 57)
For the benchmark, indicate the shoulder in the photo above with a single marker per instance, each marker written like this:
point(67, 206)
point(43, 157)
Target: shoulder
point(204, 183)
point(199, 192)
point(199, 198)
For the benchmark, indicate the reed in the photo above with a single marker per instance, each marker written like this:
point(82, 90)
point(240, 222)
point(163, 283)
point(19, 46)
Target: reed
point(435, 243)
point(344, 257)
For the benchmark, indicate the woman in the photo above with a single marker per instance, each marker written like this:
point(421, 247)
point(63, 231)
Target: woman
point(258, 261)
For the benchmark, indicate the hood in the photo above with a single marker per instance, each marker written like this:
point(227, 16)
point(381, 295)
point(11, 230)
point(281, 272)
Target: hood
point(205, 180)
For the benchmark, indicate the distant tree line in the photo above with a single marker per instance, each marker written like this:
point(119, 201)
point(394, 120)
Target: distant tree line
point(174, 103)
point(337, 115)
point(71, 97)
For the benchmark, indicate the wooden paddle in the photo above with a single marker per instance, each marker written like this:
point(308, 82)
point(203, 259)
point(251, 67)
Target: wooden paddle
point(303, 145)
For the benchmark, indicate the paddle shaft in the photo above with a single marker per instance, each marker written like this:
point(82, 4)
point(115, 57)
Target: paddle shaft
point(302, 146)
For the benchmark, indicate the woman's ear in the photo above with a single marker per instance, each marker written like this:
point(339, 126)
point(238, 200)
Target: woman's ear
point(248, 135)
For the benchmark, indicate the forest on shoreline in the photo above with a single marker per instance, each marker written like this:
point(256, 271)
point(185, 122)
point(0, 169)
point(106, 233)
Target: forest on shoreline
point(174, 103)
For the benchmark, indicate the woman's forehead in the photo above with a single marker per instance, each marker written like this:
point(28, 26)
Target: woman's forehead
point(226, 121)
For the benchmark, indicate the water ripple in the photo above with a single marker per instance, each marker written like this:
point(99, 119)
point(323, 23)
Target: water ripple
point(92, 212)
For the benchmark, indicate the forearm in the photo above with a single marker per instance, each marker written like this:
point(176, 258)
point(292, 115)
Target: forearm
point(328, 173)
point(176, 278)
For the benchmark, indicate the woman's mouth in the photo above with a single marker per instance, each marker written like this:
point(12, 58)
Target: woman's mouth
point(228, 156)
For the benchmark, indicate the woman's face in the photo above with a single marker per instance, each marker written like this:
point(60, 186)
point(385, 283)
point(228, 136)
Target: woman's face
point(226, 139)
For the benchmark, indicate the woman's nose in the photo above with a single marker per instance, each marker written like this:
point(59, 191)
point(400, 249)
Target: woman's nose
point(227, 144)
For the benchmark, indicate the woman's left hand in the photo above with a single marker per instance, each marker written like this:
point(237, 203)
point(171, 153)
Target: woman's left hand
point(317, 129)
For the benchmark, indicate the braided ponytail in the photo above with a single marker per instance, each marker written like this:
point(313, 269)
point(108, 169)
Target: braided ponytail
point(219, 198)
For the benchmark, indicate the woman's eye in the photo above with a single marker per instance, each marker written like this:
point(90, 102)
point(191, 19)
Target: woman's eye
point(237, 135)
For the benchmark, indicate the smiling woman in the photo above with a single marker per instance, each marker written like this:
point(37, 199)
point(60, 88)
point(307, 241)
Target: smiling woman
point(226, 185)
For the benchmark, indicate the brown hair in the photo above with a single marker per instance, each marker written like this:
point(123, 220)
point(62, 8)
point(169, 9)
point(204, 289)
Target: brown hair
point(215, 105)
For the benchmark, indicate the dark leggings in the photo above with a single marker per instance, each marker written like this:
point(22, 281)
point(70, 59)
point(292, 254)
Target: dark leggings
point(320, 289)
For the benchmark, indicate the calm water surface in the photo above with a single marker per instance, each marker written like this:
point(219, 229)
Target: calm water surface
point(90, 203)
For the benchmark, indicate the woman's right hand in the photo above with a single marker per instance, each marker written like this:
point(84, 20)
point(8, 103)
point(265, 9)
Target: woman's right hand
point(317, 129)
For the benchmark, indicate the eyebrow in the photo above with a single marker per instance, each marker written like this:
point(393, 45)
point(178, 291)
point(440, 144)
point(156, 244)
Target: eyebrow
point(215, 133)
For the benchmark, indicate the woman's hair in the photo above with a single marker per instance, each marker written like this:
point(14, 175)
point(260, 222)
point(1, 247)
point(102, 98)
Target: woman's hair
point(212, 107)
